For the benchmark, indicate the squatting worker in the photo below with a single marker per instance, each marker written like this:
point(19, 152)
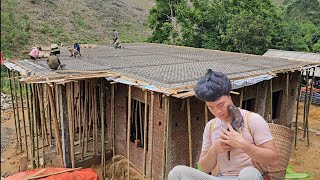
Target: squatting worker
point(253, 144)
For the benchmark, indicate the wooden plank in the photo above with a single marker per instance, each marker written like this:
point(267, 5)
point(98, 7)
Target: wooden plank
point(65, 127)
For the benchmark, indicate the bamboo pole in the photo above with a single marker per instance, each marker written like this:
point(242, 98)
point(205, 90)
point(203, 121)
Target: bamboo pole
point(129, 130)
point(151, 133)
point(29, 121)
point(141, 123)
point(83, 117)
point(95, 118)
point(87, 110)
point(43, 132)
point(297, 111)
point(189, 132)
point(145, 131)
point(206, 118)
point(71, 133)
point(18, 116)
point(48, 115)
point(112, 117)
point(13, 105)
point(135, 120)
point(35, 109)
point(79, 111)
point(55, 124)
point(23, 120)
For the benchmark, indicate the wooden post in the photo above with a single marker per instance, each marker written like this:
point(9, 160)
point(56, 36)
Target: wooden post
point(287, 98)
point(241, 97)
point(29, 120)
point(308, 108)
point(189, 132)
point(112, 117)
point(18, 116)
point(33, 147)
point(305, 103)
point(145, 143)
point(151, 133)
point(165, 138)
point(271, 89)
point(129, 129)
point(102, 108)
point(70, 115)
point(206, 118)
point(55, 124)
point(23, 120)
point(65, 126)
point(297, 111)
point(13, 105)
point(36, 119)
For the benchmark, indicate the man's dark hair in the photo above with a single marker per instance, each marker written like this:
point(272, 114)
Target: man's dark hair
point(212, 86)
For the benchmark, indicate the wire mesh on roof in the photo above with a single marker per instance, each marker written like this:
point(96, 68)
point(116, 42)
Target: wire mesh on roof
point(163, 65)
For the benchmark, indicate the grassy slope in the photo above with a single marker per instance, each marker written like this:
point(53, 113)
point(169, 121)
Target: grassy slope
point(86, 21)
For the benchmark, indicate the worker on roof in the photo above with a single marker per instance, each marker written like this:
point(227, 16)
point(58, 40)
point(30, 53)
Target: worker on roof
point(77, 47)
point(55, 49)
point(53, 61)
point(35, 53)
point(235, 151)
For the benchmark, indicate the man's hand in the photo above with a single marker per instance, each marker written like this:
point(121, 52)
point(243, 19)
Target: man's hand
point(220, 147)
point(232, 138)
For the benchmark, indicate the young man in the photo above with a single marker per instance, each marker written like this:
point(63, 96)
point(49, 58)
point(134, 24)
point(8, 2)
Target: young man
point(251, 144)
point(77, 47)
point(35, 53)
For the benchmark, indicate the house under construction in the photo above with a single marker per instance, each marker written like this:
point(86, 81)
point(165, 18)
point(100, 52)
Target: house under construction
point(138, 102)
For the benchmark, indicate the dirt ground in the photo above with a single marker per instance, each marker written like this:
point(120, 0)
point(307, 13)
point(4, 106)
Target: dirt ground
point(303, 159)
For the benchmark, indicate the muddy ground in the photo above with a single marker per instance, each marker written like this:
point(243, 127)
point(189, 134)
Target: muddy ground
point(303, 159)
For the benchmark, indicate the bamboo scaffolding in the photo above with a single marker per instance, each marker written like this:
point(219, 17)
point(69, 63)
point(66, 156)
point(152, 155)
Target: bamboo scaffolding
point(13, 105)
point(145, 131)
point(112, 117)
point(17, 109)
point(23, 120)
point(129, 130)
point(189, 132)
point(71, 132)
point(297, 111)
point(55, 124)
point(151, 133)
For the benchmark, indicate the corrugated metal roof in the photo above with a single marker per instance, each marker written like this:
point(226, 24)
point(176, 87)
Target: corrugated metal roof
point(163, 65)
point(293, 55)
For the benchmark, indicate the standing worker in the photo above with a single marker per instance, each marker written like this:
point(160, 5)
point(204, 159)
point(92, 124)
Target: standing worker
point(115, 36)
point(35, 53)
